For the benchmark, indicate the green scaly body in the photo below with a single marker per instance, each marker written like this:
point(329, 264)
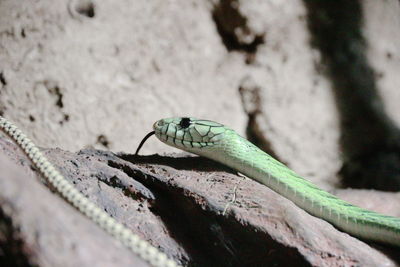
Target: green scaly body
point(217, 142)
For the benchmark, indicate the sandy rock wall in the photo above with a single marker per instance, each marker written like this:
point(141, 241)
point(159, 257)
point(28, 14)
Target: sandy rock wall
point(99, 73)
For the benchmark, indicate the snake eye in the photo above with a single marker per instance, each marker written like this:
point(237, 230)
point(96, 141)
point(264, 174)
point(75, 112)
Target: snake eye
point(184, 123)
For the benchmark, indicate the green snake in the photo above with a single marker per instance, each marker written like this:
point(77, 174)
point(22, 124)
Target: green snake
point(222, 144)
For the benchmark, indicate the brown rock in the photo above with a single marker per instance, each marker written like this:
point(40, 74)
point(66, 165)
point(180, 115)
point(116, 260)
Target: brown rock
point(195, 210)
point(38, 228)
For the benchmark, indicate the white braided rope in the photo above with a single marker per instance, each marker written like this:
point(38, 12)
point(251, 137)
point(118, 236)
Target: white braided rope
point(132, 241)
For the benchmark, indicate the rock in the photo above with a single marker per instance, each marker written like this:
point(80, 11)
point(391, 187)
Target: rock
point(198, 212)
point(131, 63)
point(38, 228)
point(97, 74)
point(64, 60)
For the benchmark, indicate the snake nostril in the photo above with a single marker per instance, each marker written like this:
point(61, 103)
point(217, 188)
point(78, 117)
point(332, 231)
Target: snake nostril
point(156, 125)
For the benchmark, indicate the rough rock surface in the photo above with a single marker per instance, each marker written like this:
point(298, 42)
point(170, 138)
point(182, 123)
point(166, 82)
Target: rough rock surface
point(197, 211)
point(38, 228)
point(98, 73)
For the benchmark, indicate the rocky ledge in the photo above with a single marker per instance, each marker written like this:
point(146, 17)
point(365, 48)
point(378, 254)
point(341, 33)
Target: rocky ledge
point(198, 212)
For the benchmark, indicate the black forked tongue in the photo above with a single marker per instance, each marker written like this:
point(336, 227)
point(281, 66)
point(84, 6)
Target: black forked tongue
point(143, 141)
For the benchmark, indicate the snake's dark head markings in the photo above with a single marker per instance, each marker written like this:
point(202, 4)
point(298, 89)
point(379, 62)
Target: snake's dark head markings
point(189, 134)
point(184, 123)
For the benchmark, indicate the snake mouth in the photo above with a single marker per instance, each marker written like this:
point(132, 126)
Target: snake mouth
point(185, 144)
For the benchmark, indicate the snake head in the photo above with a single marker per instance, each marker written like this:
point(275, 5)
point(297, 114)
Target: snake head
point(190, 134)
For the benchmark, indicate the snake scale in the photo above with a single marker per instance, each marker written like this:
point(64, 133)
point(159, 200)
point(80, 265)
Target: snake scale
point(222, 144)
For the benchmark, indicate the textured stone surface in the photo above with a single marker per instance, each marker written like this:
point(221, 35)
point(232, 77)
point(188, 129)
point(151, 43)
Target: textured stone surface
point(73, 80)
point(77, 74)
point(195, 210)
point(38, 228)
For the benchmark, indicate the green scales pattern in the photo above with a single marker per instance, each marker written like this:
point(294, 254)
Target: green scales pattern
point(217, 142)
